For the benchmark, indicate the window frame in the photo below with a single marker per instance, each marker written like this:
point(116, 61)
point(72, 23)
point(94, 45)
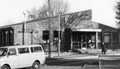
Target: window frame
point(32, 51)
point(24, 52)
point(107, 34)
point(115, 36)
point(14, 50)
point(99, 37)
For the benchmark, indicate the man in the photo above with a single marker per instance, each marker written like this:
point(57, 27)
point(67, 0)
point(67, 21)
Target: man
point(103, 48)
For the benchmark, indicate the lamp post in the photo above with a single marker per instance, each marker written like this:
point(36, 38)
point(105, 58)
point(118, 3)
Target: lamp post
point(24, 30)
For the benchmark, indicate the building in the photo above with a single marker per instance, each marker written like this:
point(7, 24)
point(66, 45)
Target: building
point(77, 31)
point(96, 33)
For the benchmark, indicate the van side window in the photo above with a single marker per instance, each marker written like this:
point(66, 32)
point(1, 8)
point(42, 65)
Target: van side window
point(12, 51)
point(23, 50)
point(36, 49)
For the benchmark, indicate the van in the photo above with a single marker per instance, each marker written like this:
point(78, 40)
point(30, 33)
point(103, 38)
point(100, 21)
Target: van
point(21, 56)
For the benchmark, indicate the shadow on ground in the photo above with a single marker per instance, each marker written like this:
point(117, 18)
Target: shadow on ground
point(68, 62)
point(79, 62)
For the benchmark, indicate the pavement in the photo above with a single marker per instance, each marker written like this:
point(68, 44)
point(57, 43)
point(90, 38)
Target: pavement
point(91, 54)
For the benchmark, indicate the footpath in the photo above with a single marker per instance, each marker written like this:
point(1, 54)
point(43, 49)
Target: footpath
point(95, 53)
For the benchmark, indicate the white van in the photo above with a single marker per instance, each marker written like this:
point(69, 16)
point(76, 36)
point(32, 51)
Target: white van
point(12, 57)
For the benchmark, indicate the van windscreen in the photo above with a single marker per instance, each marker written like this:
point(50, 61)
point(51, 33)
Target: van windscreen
point(3, 51)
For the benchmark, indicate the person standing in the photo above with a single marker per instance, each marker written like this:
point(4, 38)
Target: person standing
point(89, 43)
point(103, 48)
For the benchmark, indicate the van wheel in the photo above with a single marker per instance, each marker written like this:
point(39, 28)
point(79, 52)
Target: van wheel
point(5, 67)
point(36, 65)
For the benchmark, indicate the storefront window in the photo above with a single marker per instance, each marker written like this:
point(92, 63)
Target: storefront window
point(93, 38)
point(99, 38)
point(115, 37)
point(107, 37)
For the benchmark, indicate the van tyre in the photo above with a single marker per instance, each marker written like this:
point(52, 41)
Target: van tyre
point(5, 67)
point(36, 65)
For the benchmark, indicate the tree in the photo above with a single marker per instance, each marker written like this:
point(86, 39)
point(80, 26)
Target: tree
point(66, 20)
point(117, 10)
point(74, 19)
point(57, 6)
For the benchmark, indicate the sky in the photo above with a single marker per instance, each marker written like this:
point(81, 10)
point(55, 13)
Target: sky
point(11, 11)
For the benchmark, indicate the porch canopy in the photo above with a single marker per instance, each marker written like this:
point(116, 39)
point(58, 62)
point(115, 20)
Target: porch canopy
point(87, 30)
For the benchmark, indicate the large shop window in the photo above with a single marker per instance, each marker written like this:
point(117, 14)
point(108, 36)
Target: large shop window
point(115, 37)
point(107, 37)
point(99, 37)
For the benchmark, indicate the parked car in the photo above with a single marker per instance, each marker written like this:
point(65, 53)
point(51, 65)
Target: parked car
point(21, 56)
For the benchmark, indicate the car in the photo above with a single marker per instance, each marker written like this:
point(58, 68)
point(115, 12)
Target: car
point(21, 56)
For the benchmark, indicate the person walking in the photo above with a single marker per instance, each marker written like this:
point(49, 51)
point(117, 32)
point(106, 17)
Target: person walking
point(103, 48)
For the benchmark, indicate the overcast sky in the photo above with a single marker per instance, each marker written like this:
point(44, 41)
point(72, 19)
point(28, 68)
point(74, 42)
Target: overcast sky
point(11, 11)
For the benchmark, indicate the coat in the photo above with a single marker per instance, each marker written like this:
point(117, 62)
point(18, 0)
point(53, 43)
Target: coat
point(103, 48)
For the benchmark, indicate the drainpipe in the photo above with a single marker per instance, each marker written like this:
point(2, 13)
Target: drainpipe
point(96, 40)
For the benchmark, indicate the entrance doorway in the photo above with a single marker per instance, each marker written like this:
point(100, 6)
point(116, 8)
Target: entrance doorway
point(83, 40)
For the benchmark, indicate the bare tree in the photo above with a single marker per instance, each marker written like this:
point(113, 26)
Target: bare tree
point(74, 19)
point(67, 20)
point(57, 6)
point(117, 10)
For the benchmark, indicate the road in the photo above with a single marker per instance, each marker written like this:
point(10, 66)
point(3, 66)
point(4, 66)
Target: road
point(78, 62)
point(83, 61)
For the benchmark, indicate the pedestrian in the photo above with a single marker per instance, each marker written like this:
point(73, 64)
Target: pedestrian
point(103, 48)
point(89, 43)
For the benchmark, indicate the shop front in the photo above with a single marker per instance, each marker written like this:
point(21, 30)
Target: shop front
point(85, 38)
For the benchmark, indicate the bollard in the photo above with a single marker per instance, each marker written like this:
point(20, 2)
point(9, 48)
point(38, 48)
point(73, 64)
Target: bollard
point(99, 62)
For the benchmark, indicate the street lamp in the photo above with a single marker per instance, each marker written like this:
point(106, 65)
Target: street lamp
point(24, 30)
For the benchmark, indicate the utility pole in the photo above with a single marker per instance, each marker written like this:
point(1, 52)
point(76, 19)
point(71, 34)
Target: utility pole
point(24, 30)
point(50, 30)
point(59, 40)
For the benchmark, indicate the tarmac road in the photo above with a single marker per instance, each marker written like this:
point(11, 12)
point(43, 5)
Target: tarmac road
point(82, 61)
point(79, 61)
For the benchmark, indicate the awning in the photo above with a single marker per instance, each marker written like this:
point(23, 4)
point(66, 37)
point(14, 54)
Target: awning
point(88, 30)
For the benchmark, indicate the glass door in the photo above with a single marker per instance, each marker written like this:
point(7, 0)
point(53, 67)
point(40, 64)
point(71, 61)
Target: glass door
point(83, 41)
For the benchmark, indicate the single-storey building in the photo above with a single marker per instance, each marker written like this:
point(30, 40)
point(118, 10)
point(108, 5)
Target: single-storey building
point(77, 31)
point(81, 37)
